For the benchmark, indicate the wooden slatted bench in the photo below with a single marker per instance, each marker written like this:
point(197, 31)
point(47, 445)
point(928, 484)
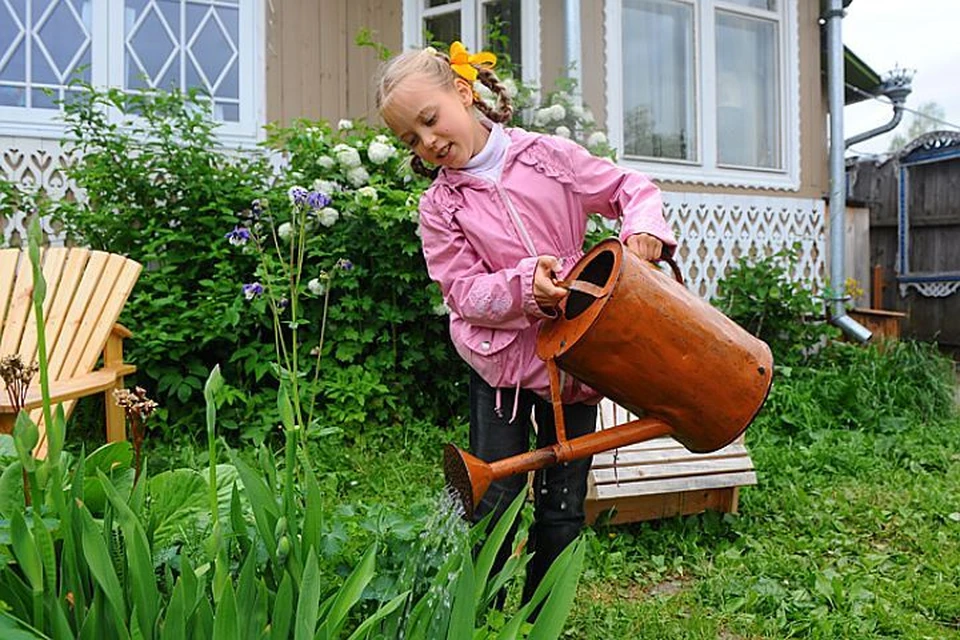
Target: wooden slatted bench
point(660, 478)
point(86, 291)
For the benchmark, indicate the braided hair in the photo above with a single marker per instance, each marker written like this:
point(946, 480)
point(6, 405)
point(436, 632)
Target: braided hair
point(436, 64)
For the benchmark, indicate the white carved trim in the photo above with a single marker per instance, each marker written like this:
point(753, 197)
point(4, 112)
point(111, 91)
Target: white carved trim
point(715, 230)
point(931, 289)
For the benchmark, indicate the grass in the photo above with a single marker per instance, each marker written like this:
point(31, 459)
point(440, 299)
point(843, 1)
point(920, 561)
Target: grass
point(853, 530)
point(847, 535)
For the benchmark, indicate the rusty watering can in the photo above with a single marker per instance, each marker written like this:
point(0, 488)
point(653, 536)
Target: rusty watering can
point(640, 338)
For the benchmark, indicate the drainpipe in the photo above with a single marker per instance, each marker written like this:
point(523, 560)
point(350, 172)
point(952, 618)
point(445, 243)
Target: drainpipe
point(897, 88)
point(838, 313)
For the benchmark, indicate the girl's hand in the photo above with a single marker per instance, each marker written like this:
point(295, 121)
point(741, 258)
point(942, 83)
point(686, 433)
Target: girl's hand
point(545, 291)
point(645, 246)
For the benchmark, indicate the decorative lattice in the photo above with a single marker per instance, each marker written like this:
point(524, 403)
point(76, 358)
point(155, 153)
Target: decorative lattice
point(38, 166)
point(715, 230)
point(931, 289)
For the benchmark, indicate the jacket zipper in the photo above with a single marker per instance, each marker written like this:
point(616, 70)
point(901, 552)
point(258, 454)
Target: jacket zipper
point(515, 217)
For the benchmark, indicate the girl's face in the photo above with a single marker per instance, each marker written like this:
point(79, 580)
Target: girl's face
point(436, 122)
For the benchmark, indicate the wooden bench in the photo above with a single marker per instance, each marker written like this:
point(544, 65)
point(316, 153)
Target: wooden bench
point(659, 478)
point(86, 291)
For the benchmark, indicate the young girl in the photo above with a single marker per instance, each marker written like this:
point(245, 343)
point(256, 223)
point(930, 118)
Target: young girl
point(503, 221)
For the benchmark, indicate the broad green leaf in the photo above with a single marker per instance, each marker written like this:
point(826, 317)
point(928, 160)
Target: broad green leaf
point(146, 596)
point(177, 498)
point(175, 617)
point(11, 489)
point(491, 547)
point(305, 623)
point(282, 610)
point(226, 624)
point(349, 593)
point(463, 616)
point(13, 629)
point(26, 552)
point(556, 608)
point(101, 567)
point(113, 455)
point(262, 499)
point(26, 435)
point(285, 407)
point(367, 625)
point(44, 542)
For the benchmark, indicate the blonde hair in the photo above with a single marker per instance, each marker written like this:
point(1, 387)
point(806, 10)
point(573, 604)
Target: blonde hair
point(436, 65)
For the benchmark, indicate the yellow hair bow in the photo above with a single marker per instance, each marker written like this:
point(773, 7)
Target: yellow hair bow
point(465, 64)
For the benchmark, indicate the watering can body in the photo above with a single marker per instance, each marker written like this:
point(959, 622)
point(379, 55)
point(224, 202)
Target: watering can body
point(640, 338)
point(650, 345)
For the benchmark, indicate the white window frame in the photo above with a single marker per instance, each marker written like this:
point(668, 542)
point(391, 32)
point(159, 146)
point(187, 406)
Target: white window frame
point(707, 169)
point(108, 54)
point(471, 28)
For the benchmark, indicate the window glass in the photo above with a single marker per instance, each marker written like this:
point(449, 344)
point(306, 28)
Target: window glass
point(659, 97)
point(56, 33)
point(185, 44)
point(502, 31)
point(443, 28)
point(748, 104)
point(770, 5)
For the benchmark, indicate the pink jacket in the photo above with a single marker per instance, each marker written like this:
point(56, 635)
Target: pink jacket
point(481, 241)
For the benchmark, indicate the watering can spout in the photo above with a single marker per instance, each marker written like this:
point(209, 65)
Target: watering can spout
point(468, 477)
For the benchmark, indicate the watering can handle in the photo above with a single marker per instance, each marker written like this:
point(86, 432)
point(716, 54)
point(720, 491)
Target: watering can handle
point(590, 289)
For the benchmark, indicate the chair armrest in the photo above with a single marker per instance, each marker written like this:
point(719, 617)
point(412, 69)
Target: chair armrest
point(122, 331)
point(73, 388)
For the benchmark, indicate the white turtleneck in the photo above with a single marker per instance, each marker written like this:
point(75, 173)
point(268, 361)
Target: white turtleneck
point(488, 164)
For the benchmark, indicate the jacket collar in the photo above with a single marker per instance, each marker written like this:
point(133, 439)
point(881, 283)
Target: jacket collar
point(519, 140)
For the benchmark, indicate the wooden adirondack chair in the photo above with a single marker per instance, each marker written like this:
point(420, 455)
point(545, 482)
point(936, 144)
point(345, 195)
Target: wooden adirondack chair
point(86, 290)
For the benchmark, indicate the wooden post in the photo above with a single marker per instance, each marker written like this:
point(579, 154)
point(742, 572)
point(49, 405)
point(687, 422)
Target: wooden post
point(876, 290)
point(116, 419)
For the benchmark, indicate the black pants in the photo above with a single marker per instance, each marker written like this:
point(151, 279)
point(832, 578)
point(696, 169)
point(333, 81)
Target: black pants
point(559, 491)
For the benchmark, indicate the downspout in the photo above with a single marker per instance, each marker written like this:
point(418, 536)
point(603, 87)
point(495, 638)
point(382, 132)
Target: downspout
point(838, 312)
point(897, 88)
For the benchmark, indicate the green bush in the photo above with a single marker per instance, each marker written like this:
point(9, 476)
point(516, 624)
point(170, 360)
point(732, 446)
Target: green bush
point(160, 190)
point(760, 295)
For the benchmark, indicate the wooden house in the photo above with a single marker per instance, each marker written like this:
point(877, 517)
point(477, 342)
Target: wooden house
point(722, 102)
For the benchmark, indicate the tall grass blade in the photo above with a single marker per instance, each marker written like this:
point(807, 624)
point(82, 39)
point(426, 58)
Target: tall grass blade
point(226, 625)
point(463, 616)
point(101, 567)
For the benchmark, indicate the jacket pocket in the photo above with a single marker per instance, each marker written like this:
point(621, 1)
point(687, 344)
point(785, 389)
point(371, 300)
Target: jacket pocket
point(487, 351)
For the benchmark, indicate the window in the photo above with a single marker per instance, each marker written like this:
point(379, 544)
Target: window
point(706, 90)
point(134, 44)
point(508, 27)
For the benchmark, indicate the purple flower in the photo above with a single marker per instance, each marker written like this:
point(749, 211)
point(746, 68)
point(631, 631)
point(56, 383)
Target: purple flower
point(298, 196)
point(256, 209)
point(252, 290)
point(239, 236)
point(282, 304)
point(344, 264)
point(317, 200)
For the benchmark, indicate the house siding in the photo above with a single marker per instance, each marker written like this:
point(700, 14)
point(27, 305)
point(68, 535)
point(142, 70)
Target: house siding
point(314, 69)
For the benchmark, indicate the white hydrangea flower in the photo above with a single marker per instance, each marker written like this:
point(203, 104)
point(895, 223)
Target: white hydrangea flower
point(557, 112)
point(326, 162)
point(285, 230)
point(385, 139)
point(597, 138)
point(328, 187)
point(591, 225)
point(328, 216)
point(588, 116)
point(577, 110)
point(563, 132)
point(367, 194)
point(441, 309)
point(543, 117)
point(347, 156)
point(562, 97)
point(316, 287)
point(510, 85)
point(358, 176)
point(379, 152)
point(345, 125)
